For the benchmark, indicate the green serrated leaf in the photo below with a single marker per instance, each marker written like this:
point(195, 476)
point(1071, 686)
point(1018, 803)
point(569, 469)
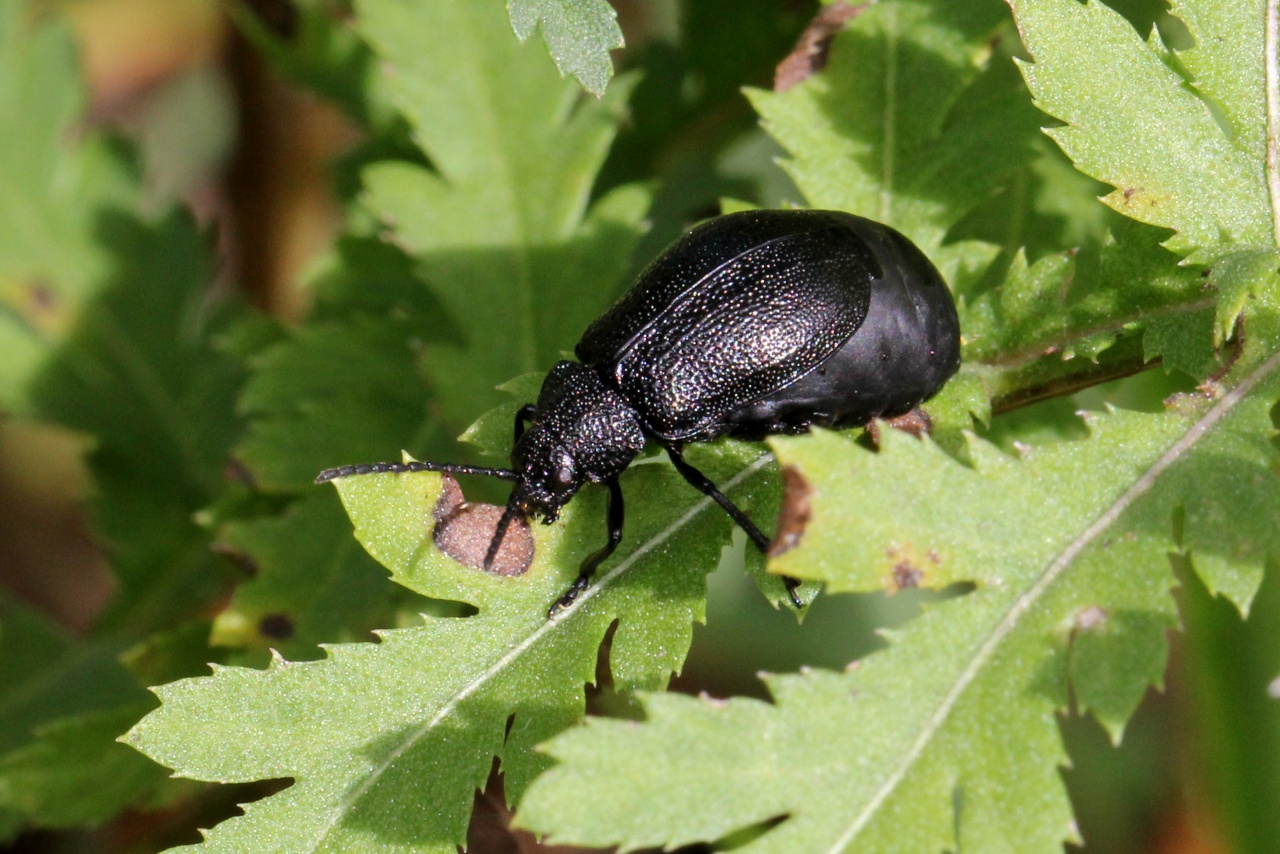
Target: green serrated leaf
point(492, 432)
point(1154, 132)
point(1072, 318)
point(507, 242)
point(947, 740)
point(108, 330)
point(387, 742)
point(1182, 341)
point(912, 123)
point(579, 34)
point(139, 371)
point(333, 392)
point(46, 675)
point(1239, 277)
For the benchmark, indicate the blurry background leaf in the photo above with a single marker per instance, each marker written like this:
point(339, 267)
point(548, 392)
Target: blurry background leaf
point(429, 210)
point(579, 34)
point(57, 189)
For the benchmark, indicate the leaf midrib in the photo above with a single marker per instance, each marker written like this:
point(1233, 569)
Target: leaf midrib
point(545, 628)
point(1024, 603)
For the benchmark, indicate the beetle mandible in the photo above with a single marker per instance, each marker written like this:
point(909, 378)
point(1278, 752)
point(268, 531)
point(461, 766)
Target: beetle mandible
point(752, 323)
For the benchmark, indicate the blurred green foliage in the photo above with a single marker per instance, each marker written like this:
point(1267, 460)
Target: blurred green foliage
point(488, 209)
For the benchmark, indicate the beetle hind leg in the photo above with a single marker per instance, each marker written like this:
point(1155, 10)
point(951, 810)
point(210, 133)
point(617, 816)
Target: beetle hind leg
point(703, 484)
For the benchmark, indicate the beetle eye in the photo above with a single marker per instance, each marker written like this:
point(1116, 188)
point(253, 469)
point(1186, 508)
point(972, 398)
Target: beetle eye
point(564, 476)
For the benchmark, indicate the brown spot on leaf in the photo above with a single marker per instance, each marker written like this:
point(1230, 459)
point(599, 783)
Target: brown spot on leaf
point(916, 422)
point(809, 56)
point(43, 297)
point(237, 472)
point(906, 576)
point(276, 626)
point(241, 559)
point(1135, 196)
point(464, 530)
point(795, 513)
point(909, 568)
point(37, 303)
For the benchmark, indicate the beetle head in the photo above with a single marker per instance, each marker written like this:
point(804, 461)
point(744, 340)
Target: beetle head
point(549, 475)
point(582, 432)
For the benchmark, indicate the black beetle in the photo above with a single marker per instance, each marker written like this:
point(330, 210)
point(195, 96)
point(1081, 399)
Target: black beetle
point(752, 323)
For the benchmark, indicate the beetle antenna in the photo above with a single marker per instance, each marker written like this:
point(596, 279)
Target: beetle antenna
point(499, 533)
point(400, 468)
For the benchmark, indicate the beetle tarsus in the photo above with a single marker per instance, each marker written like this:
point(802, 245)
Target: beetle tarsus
point(793, 587)
point(569, 596)
point(593, 560)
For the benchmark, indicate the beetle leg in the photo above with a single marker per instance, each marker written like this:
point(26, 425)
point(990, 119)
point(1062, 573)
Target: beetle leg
point(523, 416)
point(500, 531)
point(703, 484)
point(598, 557)
point(793, 584)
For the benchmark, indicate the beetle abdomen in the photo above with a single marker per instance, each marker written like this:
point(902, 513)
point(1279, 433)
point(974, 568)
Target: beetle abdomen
point(903, 353)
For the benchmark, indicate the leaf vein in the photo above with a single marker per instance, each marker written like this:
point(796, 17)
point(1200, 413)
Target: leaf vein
point(1023, 604)
point(499, 666)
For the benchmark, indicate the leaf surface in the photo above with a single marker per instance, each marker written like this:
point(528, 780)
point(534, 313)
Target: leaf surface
point(1067, 551)
point(108, 330)
point(1189, 154)
point(62, 704)
point(579, 34)
point(913, 122)
point(387, 742)
point(502, 227)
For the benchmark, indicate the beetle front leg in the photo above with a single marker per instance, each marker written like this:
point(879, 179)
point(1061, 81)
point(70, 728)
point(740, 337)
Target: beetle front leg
point(598, 557)
point(523, 416)
point(703, 484)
